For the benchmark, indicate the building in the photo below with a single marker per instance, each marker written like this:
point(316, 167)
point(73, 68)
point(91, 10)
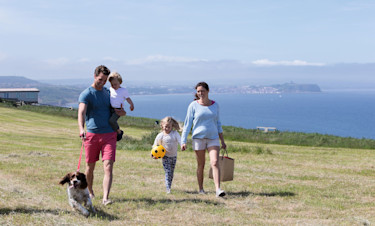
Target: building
point(25, 95)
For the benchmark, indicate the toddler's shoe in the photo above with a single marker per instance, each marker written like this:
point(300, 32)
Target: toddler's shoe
point(119, 135)
point(201, 192)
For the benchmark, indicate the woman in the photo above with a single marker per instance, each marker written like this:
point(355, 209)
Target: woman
point(203, 116)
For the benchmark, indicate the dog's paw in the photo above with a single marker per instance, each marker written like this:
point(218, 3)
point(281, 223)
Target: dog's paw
point(86, 213)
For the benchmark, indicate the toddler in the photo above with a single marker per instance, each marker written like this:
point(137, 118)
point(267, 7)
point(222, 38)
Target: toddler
point(169, 138)
point(118, 96)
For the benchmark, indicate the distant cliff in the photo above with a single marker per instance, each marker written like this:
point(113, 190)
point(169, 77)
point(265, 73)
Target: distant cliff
point(48, 95)
point(297, 88)
point(61, 95)
point(17, 82)
point(278, 88)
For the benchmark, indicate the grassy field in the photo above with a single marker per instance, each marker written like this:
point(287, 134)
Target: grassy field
point(273, 185)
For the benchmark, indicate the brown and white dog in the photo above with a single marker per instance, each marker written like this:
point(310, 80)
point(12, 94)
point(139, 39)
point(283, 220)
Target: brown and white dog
point(78, 192)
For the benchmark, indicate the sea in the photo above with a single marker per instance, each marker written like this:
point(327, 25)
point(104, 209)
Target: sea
point(341, 113)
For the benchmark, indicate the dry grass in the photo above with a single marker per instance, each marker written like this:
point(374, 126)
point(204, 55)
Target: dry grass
point(289, 185)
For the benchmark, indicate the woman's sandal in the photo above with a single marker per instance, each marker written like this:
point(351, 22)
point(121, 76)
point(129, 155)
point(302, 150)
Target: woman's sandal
point(107, 202)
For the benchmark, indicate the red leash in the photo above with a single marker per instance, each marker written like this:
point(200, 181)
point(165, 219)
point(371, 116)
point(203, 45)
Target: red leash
point(80, 157)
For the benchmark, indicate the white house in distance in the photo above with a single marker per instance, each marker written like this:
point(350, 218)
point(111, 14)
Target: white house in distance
point(26, 95)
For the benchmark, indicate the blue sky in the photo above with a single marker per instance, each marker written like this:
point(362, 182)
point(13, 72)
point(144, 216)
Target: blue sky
point(239, 40)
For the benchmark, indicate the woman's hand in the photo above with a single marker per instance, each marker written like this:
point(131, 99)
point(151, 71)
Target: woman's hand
point(223, 145)
point(183, 147)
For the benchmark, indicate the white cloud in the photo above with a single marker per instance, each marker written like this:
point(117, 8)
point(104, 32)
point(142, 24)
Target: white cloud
point(83, 60)
point(108, 58)
point(163, 59)
point(57, 62)
point(266, 62)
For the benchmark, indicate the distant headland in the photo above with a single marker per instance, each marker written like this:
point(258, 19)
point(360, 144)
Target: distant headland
point(60, 95)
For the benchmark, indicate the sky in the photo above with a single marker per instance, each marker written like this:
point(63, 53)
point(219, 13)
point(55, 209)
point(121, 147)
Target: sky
point(328, 42)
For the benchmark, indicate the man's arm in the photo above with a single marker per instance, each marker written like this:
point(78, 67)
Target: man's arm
point(82, 107)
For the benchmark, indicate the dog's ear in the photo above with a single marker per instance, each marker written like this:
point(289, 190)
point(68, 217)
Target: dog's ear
point(82, 178)
point(65, 179)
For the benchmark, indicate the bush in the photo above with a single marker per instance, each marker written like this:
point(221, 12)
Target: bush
point(246, 149)
point(145, 143)
point(295, 138)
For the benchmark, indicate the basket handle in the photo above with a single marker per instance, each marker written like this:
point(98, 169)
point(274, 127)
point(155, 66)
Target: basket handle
point(225, 152)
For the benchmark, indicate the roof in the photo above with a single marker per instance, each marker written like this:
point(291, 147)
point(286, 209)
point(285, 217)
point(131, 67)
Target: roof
point(19, 90)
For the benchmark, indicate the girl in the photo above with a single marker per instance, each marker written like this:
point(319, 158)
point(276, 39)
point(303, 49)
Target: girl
point(169, 138)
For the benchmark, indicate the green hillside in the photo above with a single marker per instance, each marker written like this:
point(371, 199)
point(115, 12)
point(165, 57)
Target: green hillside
point(231, 133)
point(273, 184)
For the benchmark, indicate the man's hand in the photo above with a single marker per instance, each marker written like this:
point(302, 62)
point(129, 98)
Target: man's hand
point(82, 135)
point(120, 112)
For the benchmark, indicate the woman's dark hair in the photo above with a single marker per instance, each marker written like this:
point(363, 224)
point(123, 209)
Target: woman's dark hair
point(204, 85)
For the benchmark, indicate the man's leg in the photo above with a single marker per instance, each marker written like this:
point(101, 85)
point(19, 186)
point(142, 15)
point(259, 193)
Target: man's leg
point(90, 176)
point(108, 157)
point(107, 180)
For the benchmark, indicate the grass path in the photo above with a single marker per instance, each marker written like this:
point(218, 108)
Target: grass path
point(287, 185)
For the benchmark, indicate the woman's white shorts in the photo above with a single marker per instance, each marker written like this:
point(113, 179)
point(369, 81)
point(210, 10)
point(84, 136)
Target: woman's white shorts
point(203, 144)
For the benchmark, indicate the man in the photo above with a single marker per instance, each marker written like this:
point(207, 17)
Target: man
point(94, 111)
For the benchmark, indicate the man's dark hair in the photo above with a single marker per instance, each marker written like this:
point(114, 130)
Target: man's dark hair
point(102, 69)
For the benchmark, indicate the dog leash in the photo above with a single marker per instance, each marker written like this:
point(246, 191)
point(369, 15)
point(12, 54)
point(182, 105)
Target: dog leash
point(80, 157)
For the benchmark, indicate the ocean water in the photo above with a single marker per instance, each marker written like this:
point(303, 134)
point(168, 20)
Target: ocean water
point(347, 114)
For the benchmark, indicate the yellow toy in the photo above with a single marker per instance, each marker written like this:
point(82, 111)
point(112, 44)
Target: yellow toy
point(158, 151)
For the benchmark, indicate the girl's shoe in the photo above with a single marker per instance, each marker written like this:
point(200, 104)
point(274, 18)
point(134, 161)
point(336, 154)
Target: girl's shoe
point(202, 192)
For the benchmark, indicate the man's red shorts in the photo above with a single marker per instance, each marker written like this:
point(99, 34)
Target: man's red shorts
point(100, 142)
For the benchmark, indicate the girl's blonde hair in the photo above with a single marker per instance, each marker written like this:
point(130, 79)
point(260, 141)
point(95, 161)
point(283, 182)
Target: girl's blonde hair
point(115, 75)
point(172, 121)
